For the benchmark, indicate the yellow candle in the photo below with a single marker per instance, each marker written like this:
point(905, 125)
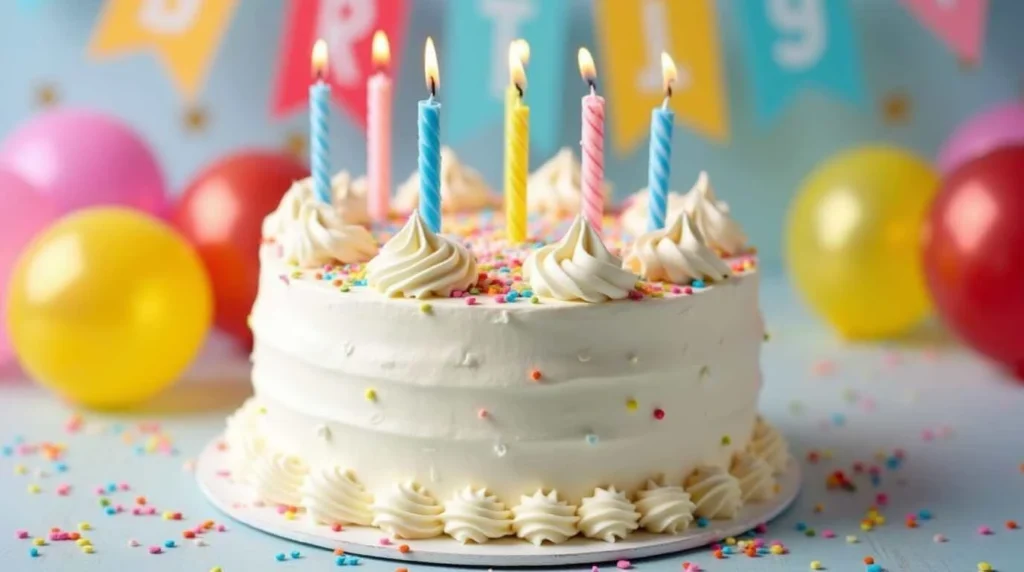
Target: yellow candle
point(517, 149)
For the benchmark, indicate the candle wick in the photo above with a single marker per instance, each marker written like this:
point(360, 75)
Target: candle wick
point(433, 88)
point(519, 88)
point(593, 86)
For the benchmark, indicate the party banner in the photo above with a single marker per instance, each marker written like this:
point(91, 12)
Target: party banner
point(185, 34)
point(794, 45)
point(958, 23)
point(476, 65)
point(633, 35)
point(347, 26)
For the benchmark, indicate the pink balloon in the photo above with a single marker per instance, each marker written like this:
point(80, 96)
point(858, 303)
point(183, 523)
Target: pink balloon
point(25, 212)
point(84, 158)
point(987, 131)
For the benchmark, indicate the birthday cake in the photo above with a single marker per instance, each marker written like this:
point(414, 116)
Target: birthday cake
point(580, 383)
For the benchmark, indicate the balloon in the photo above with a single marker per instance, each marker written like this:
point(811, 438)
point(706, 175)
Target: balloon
point(108, 307)
point(83, 158)
point(987, 131)
point(974, 240)
point(25, 212)
point(853, 241)
point(221, 213)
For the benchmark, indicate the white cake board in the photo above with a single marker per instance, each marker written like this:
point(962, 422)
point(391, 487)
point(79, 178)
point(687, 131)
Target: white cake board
point(236, 501)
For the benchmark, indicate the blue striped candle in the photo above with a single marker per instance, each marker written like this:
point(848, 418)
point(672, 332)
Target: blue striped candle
point(320, 147)
point(659, 166)
point(430, 162)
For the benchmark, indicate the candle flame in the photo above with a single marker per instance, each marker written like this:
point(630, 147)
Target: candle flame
point(668, 73)
point(430, 67)
point(516, 72)
point(587, 69)
point(522, 47)
point(319, 58)
point(381, 49)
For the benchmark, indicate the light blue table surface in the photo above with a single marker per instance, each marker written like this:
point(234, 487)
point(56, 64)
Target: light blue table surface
point(876, 398)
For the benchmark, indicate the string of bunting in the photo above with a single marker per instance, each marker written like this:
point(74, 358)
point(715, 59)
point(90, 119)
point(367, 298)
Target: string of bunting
point(791, 46)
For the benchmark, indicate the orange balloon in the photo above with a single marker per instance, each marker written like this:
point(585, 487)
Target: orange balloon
point(221, 213)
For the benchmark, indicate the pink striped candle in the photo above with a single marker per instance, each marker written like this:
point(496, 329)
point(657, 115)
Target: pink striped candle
point(378, 132)
point(592, 146)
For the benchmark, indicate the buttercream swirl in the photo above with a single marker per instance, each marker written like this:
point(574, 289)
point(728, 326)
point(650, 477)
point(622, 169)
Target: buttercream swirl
point(332, 495)
point(244, 440)
point(542, 517)
point(754, 475)
point(408, 511)
point(348, 199)
point(462, 189)
point(319, 236)
point(578, 267)
point(715, 493)
point(767, 443)
point(712, 218)
point(608, 515)
point(554, 188)
point(675, 254)
point(416, 263)
point(634, 216)
point(666, 509)
point(475, 515)
point(277, 478)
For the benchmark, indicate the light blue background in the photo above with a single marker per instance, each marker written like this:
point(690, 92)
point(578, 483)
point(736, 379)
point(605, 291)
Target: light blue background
point(757, 171)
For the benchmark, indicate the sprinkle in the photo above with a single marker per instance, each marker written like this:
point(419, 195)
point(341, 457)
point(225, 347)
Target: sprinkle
point(984, 567)
point(296, 554)
point(631, 404)
point(726, 440)
point(939, 538)
point(535, 374)
point(38, 542)
point(924, 514)
point(777, 549)
point(851, 539)
point(591, 439)
point(874, 568)
point(169, 544)
point(401, 570)
point(280, 557)
point(216, 569)
point(702, 522)
point(426, 308)
point(133, 543)
point(403, 548)
point(384, 541)
point(336, 527)
point(659, 413)
point(828, 534)
point(625, 565)
point(338, 552)
point(1012, 525)
point(984, 530)
point(370, 394)
point(482, 413)
point(817, 565)
point(33, 552)
point(155, 550)
point(22, 534)
point(869, 560)
point(88, 549)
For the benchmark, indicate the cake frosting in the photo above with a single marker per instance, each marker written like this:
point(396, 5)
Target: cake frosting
point(439, 387)
point(554, 188)
point(544, 518)
point(462, 189)
point(711, 216)
point(676, 254)
point(348, 199)
point(578, 268)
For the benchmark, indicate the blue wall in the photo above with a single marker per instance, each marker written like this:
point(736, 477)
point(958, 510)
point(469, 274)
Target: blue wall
point(756, 172)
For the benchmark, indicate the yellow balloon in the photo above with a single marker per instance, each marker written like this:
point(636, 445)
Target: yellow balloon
point(108, 307)
point(853, 241)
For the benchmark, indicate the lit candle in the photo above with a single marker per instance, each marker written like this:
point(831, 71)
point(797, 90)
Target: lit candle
point(592, 145)
point(319, 112)
point(378, 132)
point(517, 150)
point(660, 154)
point(430, 144)
point(512, 93)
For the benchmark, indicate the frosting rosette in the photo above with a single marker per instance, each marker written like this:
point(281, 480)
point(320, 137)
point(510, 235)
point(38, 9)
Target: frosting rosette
point(675, 254)
point(244, 439)
point(712, 218)
point(462, 188)
point(664, 509)
point(578, 268)
point(754, 475)
point(715, 493)
point(332, 495)
point(634, 216)
point(554, 188)
point(542, 517)
point(416, 263)
point(766, 442)
point(277, 478)
point(348, 200)
point(319, 236)
point(608, 515)
point(475, 515)
point(408, 511)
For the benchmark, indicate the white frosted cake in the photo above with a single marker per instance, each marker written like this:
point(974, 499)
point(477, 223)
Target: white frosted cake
point(453, 384)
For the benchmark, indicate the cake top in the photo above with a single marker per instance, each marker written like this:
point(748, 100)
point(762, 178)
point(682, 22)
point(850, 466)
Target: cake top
point(564, 259)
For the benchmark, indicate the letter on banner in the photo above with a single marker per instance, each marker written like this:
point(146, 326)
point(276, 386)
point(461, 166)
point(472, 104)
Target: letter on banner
point(476, 52)
point(185, 34)
point(960, 24)
point(347, 26)
point(796, 44)
point(633, 35)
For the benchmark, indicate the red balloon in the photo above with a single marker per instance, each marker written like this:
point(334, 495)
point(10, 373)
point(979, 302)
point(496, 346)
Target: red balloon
point(974, 255)
point(221, 213)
